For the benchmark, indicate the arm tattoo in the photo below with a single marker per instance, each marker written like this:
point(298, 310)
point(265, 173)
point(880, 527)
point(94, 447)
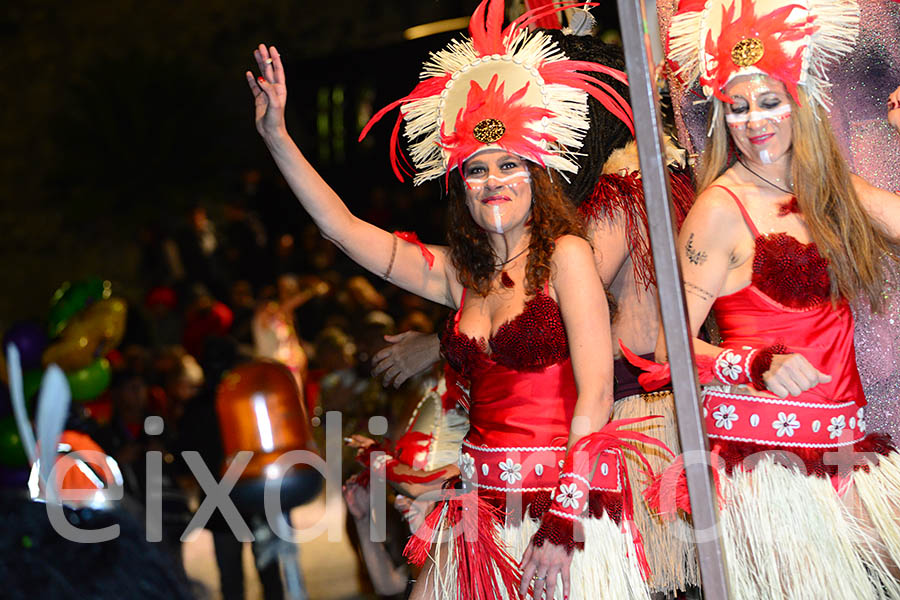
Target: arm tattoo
point(698, 291)
point(695, 256)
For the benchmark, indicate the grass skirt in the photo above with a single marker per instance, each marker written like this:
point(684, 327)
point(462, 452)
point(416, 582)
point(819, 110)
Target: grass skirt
point(789, 535)
point(668, 543)
point(606, 568)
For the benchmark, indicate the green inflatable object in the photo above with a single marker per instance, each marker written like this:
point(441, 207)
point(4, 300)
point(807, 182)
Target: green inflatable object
point(71, 298)
point(31, 382)
point(12, 454)
point(91, 381)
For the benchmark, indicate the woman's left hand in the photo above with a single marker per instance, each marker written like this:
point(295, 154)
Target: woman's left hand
point(893, 114)
point(541, 567)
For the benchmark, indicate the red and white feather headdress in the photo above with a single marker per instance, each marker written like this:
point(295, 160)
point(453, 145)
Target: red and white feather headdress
point(507, 89)
point(793, 41)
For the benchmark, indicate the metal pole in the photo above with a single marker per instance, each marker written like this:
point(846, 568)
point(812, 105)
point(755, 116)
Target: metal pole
point(636, 35)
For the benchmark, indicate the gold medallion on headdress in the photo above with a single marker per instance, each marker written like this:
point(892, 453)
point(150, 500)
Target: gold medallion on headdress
point(747, 52)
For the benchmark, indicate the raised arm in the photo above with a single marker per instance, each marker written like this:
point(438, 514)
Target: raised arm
point(400, 262)
point(883, 207)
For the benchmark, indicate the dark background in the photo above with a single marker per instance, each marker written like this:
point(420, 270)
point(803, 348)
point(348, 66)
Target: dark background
point(119, 116)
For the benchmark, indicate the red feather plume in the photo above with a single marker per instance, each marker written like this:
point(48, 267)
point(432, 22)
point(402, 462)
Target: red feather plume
point(772, 31)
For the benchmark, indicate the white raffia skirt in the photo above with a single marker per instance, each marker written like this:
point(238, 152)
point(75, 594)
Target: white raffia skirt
point(790, 535)
point(606, 569)
point(668, 543)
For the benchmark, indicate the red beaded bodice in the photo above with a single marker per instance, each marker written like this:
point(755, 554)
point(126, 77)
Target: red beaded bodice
point(522, 387)
point(533, 340)
point(788, 302)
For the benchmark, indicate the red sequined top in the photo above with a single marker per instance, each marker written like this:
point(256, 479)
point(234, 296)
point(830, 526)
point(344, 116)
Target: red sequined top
point(522, 387)
point(788, 302)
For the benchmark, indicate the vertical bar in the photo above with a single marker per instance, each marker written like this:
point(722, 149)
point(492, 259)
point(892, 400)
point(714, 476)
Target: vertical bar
point(641, 76)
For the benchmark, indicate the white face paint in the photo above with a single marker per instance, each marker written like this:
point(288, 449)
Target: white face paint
point(498, 190)
point(776, 115)
point(759, 119)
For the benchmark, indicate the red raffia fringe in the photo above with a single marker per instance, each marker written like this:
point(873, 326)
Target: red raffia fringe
point(623, 197)
point(482, 562)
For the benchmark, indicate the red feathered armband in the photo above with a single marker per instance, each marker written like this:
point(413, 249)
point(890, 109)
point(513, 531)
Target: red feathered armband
point(746, 365)
point(412, 238)
point(561, 524)
point(657, 375)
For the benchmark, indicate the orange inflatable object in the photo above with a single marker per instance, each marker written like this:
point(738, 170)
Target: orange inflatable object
point(260, 410)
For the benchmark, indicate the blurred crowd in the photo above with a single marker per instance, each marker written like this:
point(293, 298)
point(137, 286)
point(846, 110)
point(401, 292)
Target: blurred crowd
point(227, 283)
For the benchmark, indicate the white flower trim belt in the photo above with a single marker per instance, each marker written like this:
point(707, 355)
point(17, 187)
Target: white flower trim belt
point(782, 422)
point(532, 469)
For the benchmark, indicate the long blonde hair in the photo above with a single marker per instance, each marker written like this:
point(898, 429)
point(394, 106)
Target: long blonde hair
point(837, 222)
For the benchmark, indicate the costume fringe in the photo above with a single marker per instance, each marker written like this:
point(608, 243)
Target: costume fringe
point(484, 566)
point(668, 544)
point(622, 197)
point(835, 34)
point(787, 535)
point(606, 568)
point(462, 536)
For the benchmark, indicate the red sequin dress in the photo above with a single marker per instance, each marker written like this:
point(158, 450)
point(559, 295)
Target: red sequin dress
point(522, 398)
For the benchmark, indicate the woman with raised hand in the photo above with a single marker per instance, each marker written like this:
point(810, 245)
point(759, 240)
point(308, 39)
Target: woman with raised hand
point(494, 116)
point(781, 235)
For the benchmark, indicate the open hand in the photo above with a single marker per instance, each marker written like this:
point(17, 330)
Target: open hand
point(409, 354)
point(541, 567)
point(269, 90)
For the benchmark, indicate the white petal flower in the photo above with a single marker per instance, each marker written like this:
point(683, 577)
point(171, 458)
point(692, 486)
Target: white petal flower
point(729, 364)
point(786, 424)
point(467, 464)
point(510, 472)
point(568, 496)
point(725, 416)
point(837, 427)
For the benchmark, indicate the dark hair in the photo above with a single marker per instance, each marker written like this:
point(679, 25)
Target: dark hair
point(552, 216)
point(607, 132)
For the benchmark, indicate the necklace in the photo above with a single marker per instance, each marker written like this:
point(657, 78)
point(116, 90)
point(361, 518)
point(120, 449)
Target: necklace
point(505, 279)
point(774, 185)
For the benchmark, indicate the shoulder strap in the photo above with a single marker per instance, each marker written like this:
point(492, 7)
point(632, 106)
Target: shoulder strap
point(462, 301)
point(743, 210)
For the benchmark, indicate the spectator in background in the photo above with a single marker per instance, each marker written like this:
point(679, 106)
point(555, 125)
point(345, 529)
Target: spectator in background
point(199, 251)
point(274, 333)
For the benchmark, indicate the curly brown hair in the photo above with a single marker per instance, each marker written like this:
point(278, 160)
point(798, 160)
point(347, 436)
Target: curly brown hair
point(552, 216)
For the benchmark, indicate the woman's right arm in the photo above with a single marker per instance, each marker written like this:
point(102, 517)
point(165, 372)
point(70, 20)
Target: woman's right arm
point(705, 248)
point(375, 249)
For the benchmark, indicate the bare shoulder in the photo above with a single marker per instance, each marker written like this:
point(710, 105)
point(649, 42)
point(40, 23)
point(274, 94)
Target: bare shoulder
point(572, 247)
point(868, 193)
point(715, 209)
